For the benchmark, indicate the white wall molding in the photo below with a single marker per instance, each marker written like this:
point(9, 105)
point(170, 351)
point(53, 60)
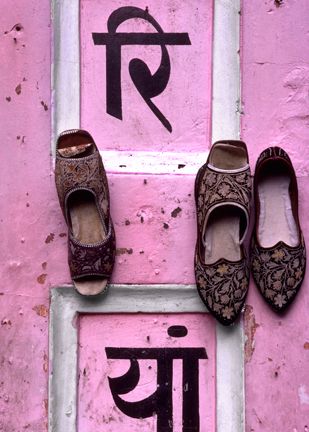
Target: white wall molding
point(66, 304)
point(226, 125)
point(226, 70)
point(65, 74)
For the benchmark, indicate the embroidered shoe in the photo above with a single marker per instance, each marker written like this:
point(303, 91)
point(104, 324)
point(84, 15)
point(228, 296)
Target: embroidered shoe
point(84, 199)
point(278, 252)
point(223, 195)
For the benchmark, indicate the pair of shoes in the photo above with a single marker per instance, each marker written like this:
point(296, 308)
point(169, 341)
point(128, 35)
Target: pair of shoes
point(223, 191)
point(84, 199)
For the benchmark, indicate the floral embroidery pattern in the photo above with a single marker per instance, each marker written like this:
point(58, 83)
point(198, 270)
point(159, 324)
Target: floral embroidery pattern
point(92, 260)
point(214, 187)
point(87, 173)
point(278, 272)
point(223, 287)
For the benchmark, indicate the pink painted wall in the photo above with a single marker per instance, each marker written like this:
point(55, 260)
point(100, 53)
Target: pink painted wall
point(186, 100)
point(33, 246)
point(137, 331)
point(154, 215)
point(275, 72)
point(28, 212)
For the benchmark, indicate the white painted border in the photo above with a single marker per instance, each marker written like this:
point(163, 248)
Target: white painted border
point(66, 304)
point(66, 102)
point(226, 70)
point(230, 405)
point(143, 162)
point(65, 74)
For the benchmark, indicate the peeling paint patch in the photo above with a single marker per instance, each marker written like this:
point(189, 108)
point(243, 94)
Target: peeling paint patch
point(306, 345)
point(122, 251)
point(45, 405)
point(45, 363)
point(176, 212)
point(41, 310)
point(276, 373)
point(303, 395)
point(250, 328)
point(18, 89)
point(44, 105)
point(50, 238)
point(62, 234)
point(6, 321)
point(44, 265)
point(42, 278)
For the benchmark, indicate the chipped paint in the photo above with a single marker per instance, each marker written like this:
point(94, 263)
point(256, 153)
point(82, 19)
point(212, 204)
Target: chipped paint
point(50, 238)
point(45, 363)
point(250, 329)
point(6, 322)
point(122, 251)
point(44, 105)
point(176, 212)
point(41, 279)
point(18, 89)
point(303, 395)
point(41, 310)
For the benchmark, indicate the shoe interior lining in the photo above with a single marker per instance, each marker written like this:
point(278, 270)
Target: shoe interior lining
point(276, 220)
point(86, 223)
point(228, 156)
point(88, 228)
point(75, 145)
point(225, 227)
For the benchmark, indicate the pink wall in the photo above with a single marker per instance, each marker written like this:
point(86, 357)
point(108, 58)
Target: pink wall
point(128, 331)
point(33, 248)
point(28, 210)
point(275, 105)
point(186, 100)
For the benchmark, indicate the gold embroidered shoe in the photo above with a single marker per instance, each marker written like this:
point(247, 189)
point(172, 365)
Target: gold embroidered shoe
point(223, 195)
point(278, 252)
point(84, 199)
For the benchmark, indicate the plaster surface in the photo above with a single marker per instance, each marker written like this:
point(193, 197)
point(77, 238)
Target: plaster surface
point(33, 233)
point(186, 100)
point(27, 197)
point(137, 331)
point(275, 112)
